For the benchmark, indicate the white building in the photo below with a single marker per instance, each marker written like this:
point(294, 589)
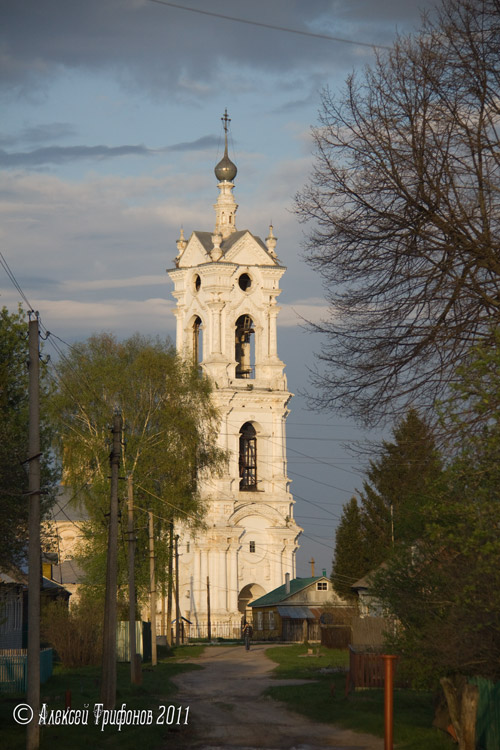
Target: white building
point(226, 287)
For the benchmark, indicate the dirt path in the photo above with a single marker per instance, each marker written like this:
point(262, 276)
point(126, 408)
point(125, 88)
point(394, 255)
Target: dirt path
point(227, 710)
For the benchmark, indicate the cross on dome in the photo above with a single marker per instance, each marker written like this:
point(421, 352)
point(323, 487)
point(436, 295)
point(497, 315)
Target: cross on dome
point(225, 171)
point(225, 208)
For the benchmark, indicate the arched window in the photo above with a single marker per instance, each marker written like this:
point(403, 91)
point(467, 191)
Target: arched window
point(197, 340)
point(244, 346)
point(248, 458)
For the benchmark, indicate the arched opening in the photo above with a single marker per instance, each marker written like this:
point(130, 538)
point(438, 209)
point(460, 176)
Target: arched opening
point(248, 594)
point(248, 458)
point(197, 340)
point(245, 347)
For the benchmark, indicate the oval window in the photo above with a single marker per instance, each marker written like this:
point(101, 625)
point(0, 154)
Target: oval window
point(197, 283)
point(245, 282)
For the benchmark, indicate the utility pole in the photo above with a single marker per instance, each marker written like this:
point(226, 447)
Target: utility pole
point(152, 589)
point(163, 611)
point(34, 565)
point(108, 677)
point(209, 624)
point(170, 583)
point(177, 607)
point(134, 662)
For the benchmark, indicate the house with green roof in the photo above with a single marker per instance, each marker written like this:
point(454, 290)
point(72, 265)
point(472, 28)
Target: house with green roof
point(292, 611)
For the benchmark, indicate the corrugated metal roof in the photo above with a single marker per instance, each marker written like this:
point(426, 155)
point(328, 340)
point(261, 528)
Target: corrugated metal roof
point(296, 613)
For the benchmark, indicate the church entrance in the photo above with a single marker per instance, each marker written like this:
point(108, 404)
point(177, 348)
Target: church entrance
point(247, 594)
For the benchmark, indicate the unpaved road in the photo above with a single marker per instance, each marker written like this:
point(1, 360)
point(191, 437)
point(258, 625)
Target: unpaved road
point(228, 712)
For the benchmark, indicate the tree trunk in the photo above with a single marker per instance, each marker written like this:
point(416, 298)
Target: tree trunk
point(462, 700)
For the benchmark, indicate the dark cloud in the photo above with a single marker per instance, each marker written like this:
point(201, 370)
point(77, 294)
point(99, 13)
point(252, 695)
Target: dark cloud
point(62, 155)
point(168, 49)
point(206, 141)
point(65, 154)
point(43, 133)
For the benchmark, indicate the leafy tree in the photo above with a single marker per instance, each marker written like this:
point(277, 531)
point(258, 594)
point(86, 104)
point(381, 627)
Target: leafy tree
point(405, 202)
point(445, 591)
point(348, 562)
point(169, 439)
point(14, 414)
point(396, 489)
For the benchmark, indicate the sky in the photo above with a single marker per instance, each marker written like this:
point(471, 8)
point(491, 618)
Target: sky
point(110, 130)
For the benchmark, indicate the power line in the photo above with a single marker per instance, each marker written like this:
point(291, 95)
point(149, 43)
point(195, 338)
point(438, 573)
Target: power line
point(263, 25)
point(10, 274)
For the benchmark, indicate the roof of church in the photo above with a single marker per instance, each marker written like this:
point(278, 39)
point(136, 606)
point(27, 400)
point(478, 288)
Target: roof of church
point(206, 240)
point(280, 594)
point(66, 506)
point(67, 572)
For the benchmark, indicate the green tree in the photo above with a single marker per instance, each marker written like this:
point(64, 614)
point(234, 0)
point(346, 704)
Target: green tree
point(405, 205)
point(396, 489)
point(170, 429)
point(14, 410)
point(445, 590)
point(348, 562)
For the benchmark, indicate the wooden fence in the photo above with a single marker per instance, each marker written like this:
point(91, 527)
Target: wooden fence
point(335, 636)
point(365, 670)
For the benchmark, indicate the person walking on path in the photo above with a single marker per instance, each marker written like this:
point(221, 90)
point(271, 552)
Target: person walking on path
point(247, 634)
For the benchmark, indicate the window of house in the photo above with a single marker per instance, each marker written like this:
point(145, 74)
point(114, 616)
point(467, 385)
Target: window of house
point(252, 546)
point(260, 621)
point(322, 586)
point(248, 457)
point(271, 619)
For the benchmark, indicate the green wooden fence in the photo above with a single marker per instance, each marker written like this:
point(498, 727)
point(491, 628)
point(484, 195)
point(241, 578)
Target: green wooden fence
point(14, 669)
point(488, 714)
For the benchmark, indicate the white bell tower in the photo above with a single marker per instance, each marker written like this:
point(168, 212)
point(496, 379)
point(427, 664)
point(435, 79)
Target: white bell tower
point(226, 287)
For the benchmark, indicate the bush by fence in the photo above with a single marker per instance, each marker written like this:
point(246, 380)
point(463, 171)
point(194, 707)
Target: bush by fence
point(75, 633)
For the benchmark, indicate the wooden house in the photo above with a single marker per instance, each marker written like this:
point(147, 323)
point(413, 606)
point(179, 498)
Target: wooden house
point(292, 611)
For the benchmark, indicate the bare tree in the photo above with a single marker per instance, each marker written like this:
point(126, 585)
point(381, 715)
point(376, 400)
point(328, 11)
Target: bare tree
point(404, 204)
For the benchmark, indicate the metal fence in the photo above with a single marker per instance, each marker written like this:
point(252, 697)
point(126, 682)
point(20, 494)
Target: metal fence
point(217, 630)
point(14, 669)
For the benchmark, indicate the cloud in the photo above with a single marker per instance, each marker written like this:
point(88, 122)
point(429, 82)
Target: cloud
point(302, 311)
point(65, 154)
point(76, 319)
point(161, 48)
point(136, 281)
point(42, 133)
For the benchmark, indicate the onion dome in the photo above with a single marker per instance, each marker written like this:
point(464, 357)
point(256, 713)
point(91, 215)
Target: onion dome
point(225, 169)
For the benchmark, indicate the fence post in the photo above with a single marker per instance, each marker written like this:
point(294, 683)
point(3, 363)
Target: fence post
point(389, 660)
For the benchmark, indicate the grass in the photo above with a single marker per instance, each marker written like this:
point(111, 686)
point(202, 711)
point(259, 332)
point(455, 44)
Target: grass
point(363, 711)
point(156, 690)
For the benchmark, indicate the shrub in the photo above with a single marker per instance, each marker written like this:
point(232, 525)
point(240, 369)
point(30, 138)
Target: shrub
point(76, 633)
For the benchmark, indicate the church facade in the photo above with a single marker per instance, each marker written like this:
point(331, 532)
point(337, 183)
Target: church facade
point(226, 284)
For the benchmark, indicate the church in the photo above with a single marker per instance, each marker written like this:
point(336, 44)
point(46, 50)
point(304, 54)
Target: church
point(226, 284)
